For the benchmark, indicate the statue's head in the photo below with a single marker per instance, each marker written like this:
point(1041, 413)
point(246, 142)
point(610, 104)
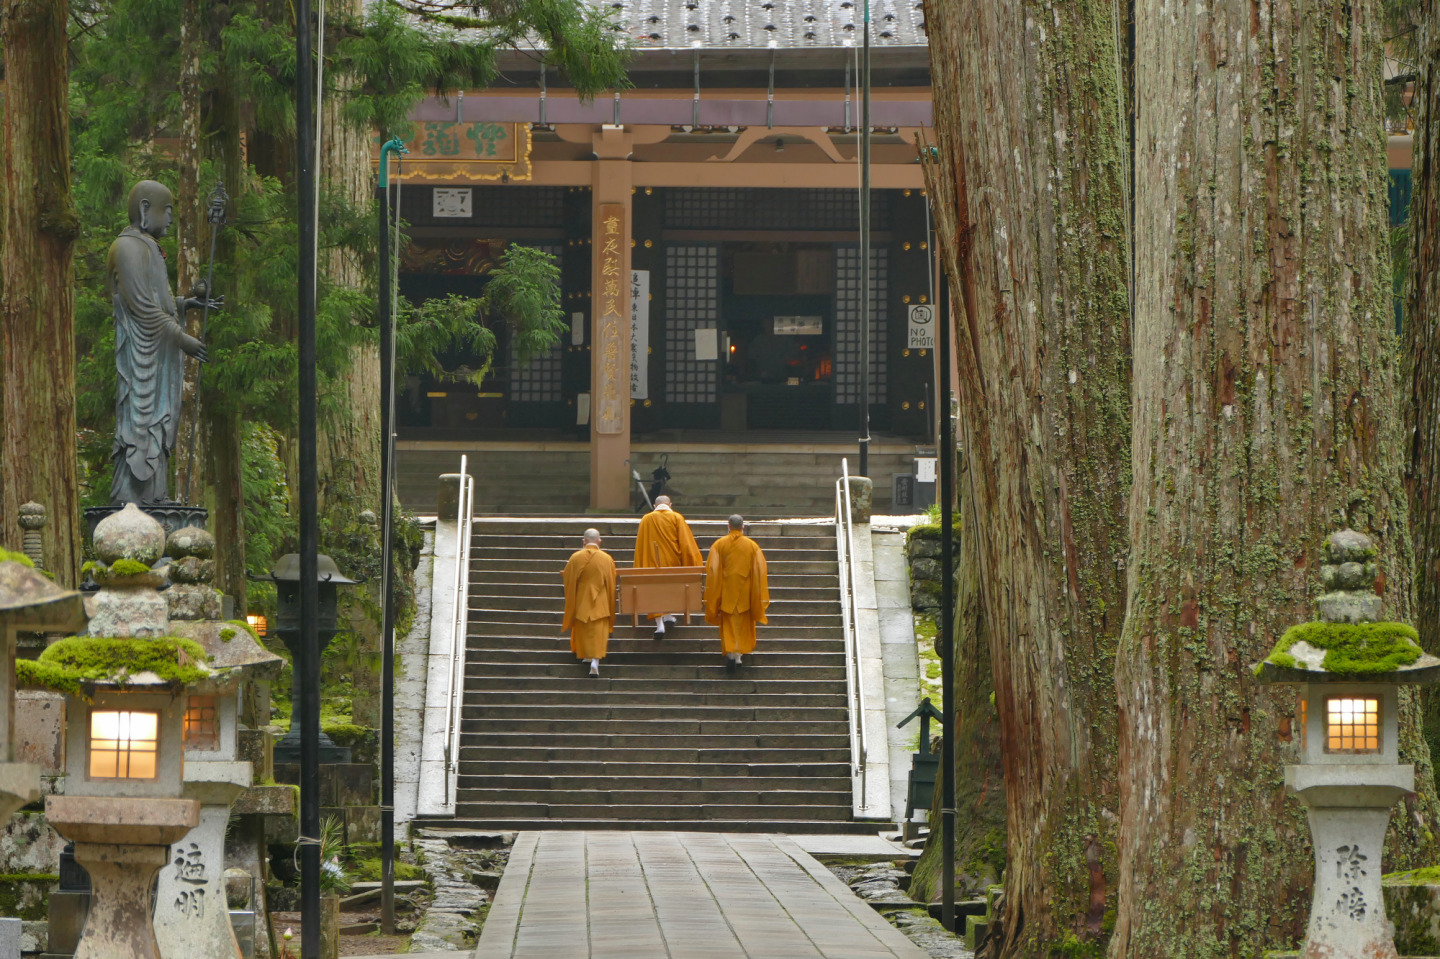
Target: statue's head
point(152, 207)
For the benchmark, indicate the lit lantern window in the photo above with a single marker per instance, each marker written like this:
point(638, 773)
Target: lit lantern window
point(1352, 725)
point(123, 744)
point(257, 623)
point(1304, 721)
point(202, 724)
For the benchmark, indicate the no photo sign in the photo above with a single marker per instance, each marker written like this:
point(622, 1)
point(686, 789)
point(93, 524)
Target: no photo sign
point(922, 327)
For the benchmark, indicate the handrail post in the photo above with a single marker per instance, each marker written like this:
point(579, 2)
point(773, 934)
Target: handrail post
point(464, 510)
point(845, 540)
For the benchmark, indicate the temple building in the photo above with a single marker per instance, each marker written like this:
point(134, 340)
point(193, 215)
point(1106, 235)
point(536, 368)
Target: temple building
point(706, 223)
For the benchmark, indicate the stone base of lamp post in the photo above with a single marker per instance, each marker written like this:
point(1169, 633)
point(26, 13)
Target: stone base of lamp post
point(19, 786)
point(1349, 810)
point(122, 843)
point(191, 915)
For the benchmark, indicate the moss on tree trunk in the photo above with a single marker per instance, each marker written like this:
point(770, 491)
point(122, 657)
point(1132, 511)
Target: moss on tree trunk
point(1028, 190)
point(37, 276)
point(1266, 415)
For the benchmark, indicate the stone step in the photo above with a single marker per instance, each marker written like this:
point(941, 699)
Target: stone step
point(515, 582)
point(477, 780)
point(466, 818)
point(632, 683)
point(834, 774)
point(681, 640)
point(581, 696)
point(655, 798)
point(624, 812)
point(786, 603)
point(650, 725)
point(668, 658)
point(585, 736)
point(548, 624)
point(526, 749)
point(822, 525)
point(778, 566)
point(623, 551)
point(619, 716)
point(669, 675)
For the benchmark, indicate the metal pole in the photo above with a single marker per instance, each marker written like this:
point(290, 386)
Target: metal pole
point(946, 639)
point(387, 571)
point(309, 657)
point(865, 249)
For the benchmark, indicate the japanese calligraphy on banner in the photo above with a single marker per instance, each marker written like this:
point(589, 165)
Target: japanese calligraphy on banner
point(639, 334)
point(445, 150)
point(612, 313)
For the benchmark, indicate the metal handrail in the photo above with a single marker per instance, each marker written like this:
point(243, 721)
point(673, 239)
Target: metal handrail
point(464, 511)
point(855, 687)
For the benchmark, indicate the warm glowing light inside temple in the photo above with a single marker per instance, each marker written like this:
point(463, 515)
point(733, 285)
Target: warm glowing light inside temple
point(123, 744)
point(1352, 725)
point(202, 723)
point(257, 623)
point(1304, 721)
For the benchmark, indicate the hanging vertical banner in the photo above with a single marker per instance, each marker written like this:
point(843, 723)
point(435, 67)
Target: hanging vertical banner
point(608, 373)
point(639, 334)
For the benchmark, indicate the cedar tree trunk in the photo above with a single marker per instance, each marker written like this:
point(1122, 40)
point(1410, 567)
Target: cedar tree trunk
point(1266, 416)
point(37, 276)
point(1029, 194)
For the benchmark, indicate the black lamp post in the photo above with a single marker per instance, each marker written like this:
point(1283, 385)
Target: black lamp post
point(286, 577)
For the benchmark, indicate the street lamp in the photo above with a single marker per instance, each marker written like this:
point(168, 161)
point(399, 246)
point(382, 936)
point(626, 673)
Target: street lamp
point(286, 577)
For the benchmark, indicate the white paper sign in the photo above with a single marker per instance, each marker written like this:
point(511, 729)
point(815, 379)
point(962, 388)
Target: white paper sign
point(922, 327)
point(924, 469)
point(452, 201)
point(582, 409)
point(707, 344)
point(639, 334)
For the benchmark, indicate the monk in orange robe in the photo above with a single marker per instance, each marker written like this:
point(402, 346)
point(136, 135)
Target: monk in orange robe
point(589, 601)
point(737, 591)
point(664, 540)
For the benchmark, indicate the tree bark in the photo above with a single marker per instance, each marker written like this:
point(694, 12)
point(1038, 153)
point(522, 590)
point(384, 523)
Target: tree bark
point(37, 276)
point(1266, 415)
point(1028, 106)
point(1422, 349)
point(190, 232)
point(350, 444)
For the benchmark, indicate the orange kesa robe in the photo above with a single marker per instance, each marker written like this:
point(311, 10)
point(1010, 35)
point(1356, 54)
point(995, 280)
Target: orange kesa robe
point(664, 540)
point(737, 590)
point(589, 601)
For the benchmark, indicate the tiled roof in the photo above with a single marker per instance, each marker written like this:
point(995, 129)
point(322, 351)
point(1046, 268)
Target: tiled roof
point(768, 24)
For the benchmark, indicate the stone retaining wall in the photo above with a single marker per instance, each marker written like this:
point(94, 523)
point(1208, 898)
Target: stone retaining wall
point(922, 548)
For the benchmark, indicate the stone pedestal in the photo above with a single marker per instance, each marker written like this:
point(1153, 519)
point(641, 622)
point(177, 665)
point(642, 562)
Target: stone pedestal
point(1349, 810)
point(192, 917)
point(122, 843)
point(19, 786)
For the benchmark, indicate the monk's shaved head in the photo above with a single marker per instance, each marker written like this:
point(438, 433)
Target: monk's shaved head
point(662, 500)
point(592, 536)
point(737, 521)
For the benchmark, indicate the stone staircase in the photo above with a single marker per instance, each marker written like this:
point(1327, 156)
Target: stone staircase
point(666, 738)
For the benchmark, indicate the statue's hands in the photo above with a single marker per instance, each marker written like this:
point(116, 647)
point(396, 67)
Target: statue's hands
point(200, 303)
point(193, 347)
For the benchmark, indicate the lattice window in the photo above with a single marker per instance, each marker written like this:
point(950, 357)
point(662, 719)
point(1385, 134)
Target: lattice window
point(539, 380)
point(202, 723)
point(123, 744)
point(760, 208)
point(847, 324)
point(1352, 724)
point(692, 302)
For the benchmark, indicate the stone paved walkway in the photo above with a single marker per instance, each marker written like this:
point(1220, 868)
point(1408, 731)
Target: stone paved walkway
point(664, 895)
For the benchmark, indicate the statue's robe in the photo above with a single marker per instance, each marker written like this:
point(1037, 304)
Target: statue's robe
point(149, 366)
point(589, 601)
point(737, 590)
point(664, 540)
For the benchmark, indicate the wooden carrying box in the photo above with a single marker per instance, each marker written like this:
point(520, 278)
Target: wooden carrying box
point(676, 589)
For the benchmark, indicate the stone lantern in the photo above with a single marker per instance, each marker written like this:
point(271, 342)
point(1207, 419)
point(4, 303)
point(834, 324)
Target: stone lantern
point(126, 688)
point(191, 915)
point(1349, 666)
point(29, 603)
point(286, 577)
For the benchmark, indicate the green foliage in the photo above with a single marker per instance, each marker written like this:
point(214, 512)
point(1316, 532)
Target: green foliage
point(73, 665)
point(368, 870)
point(333, 877)
point(1352, 648)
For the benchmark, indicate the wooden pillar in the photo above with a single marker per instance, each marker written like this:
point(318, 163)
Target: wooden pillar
point(610, 323)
